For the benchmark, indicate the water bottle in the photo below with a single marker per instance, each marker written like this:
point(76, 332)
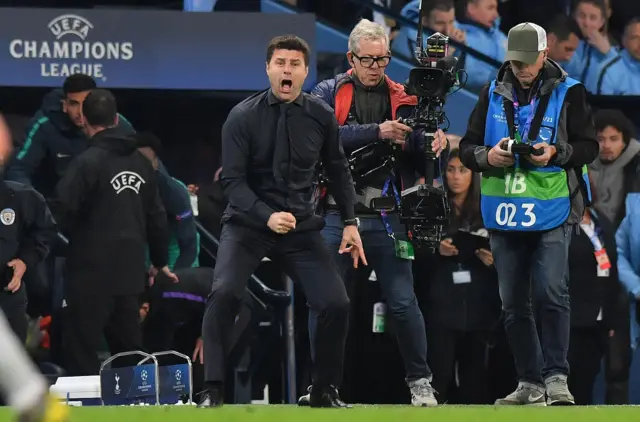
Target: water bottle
point(379, 313)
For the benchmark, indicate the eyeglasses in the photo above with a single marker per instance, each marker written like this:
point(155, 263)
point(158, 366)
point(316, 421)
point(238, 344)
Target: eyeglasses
point(368, 61)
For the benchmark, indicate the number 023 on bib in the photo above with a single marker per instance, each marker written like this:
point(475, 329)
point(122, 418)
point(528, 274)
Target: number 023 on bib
point(516, 199)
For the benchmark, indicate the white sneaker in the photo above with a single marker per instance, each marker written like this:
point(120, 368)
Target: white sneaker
point(422, 393)
point(526, 394)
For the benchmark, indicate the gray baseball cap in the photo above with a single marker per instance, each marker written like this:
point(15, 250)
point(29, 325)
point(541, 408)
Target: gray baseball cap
point(525, 42)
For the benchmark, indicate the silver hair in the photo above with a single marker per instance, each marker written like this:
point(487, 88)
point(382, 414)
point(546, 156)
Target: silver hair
point(366, 30)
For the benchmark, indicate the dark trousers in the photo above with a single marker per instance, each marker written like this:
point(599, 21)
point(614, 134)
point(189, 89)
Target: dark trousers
point(88, 319)
point(305, 258)
point(535, 263)
point(470, 351)
point(618, 355)
point(396, 284)
point(586, 350)
point(14, 306)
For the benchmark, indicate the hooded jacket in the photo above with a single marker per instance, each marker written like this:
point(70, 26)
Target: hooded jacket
point(576, 144)
point(52, 141)
point(614, 181)
point(109, 206)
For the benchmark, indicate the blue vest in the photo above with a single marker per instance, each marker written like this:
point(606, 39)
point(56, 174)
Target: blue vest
point(525, 197)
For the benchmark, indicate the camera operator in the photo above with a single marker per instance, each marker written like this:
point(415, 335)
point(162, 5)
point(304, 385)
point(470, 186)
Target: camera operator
point(531, 134)
point(108, 204)
point(463, 303)
point(368, 105)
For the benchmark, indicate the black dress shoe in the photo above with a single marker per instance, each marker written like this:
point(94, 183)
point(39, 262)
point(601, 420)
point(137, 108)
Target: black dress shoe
point(326, 397)
point(211, 398)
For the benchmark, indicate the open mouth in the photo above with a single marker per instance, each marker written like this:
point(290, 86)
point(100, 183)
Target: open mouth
point(286, 85)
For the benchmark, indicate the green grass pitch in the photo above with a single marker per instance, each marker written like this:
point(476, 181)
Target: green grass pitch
point(273, 413)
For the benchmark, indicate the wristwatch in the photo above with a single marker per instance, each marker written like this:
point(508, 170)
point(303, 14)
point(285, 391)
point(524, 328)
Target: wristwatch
point(352, 222)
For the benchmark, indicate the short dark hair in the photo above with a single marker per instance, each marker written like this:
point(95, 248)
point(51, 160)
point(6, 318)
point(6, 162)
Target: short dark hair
point(442, 5)
point(562, 26)
point(616, 119)
point(99, 108)
point(146, 139)
point(288, 42)
point(633, 21)
point(597, 3)
point(78, 82)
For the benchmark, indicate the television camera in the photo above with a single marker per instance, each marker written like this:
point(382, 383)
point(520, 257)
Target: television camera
point(424, 209)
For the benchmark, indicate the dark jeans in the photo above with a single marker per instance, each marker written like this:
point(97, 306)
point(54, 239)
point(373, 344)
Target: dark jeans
point(305, 258)
point(396, 283)
point(535, 262)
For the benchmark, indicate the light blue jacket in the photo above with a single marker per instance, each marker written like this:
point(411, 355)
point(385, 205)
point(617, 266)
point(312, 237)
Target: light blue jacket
point(618, 76)
point(586, 61)
point(628, 243)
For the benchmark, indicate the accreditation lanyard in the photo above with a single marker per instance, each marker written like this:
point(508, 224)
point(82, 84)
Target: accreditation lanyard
point(383, 213)
point(516, 117)
point(593, 233)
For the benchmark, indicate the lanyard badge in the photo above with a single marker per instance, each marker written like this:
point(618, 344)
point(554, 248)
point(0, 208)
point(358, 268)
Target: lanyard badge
point(403, 249)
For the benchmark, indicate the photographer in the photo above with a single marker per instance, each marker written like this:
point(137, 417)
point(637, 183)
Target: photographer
point(463, 304)
point(533, 193)
point(368, 105)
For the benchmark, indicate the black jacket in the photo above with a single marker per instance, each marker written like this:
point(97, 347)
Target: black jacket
point(590, 293)
point(211, 206)
point(27, 228)
point(473, 306)
point(51, 142)
point(254, 149)
point(108, 205)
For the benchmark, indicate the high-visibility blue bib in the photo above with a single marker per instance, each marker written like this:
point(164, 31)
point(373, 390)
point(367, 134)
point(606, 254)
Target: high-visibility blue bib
point(525, 197)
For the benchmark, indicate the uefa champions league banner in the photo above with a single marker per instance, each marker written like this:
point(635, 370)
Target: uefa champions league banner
point(144, 49)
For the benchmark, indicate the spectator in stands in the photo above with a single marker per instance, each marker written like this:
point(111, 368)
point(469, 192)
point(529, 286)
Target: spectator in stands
point(617, 170)
point(620, 75)
point(55, 136)
point(616, 173)
point(184, 240)
point(628, 241)
point(440, 17)
point(594, 290)
point(529, 243)
point(463, 305)
point(562, 39)
point(481, 23)
point(368, 104)
point(108, 205)
point(596, 47)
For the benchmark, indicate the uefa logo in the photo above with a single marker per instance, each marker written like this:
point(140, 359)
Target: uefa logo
point(70, 25)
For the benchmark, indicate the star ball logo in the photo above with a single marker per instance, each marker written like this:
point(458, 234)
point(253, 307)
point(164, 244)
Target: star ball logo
point(71, 51)
point(144, 376)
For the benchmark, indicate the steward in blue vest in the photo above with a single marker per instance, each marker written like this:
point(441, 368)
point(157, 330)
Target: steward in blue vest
point(530, 202)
